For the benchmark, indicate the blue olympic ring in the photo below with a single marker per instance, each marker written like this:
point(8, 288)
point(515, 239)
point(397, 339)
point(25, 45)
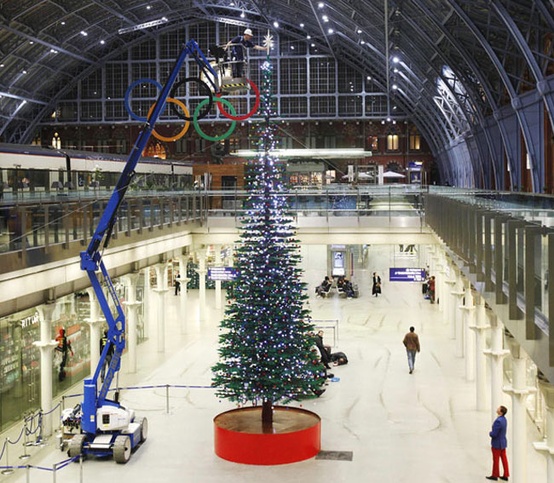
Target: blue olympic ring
point(128, 94)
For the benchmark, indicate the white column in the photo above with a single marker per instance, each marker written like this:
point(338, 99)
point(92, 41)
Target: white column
point(459, 322)
point(448, 306)
point(218, 282)
point(46, 346)
point(496, 353)
point(547, 446)
point(161, 270)
point(130, 282)
point(519, 391)
point(468, 320)
point(183, 293)
point(95, 322)
point(202, 284)
point(480, 328)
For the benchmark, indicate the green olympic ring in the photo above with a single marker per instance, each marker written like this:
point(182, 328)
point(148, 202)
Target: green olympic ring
point(197, 127)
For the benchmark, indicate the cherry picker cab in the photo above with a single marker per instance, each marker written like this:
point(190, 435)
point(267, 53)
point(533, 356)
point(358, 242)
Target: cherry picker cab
point(106, 427)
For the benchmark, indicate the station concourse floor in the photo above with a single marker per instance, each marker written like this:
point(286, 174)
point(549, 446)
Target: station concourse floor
point(399, 427)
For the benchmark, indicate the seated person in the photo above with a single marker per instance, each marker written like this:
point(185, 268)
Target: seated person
point(324, 351)
point(338, 358)
point(324, 287)
point(348, 288)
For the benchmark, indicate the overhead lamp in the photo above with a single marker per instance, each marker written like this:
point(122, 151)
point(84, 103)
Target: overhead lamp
point(308, 153)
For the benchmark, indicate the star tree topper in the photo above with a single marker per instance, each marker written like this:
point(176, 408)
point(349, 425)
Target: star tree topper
point(268, 41)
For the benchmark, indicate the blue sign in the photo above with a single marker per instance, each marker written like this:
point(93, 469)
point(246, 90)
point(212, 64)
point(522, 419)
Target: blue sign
point(222, 273)
point(406, 274)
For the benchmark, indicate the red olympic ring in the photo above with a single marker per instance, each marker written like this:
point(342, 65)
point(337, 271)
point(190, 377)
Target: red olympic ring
point(244, 116)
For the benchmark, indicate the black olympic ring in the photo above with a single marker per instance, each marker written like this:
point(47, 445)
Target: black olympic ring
point(202, 86)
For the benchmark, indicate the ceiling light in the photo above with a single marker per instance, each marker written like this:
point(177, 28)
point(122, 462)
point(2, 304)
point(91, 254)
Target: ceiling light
point(330, 31)
point(325, 18)
point(242, 15)
point(394, 87)
point(102, 42)
point(276, 24)
point(359, 31)
point(395, 59)
point(320, 5)
point(302, 25)
point(83, 33)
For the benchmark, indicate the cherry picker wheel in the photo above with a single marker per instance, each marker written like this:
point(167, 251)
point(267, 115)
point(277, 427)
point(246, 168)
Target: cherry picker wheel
point(122, 449)
point(143, 422)
point(75, 447)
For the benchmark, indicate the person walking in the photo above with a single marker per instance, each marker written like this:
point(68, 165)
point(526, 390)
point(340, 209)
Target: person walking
point(431, 289)
point(411, 342)
point(64, 346)
point(499, 444)
point(376, 288)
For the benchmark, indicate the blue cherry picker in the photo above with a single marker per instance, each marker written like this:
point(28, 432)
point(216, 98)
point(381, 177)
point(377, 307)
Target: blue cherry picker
point(106, 427)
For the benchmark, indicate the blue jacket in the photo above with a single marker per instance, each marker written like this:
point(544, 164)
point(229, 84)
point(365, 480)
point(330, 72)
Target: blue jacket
point(498, 433)
point(237, 49)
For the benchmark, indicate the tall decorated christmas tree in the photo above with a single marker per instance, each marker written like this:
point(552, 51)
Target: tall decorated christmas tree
point(265, 345)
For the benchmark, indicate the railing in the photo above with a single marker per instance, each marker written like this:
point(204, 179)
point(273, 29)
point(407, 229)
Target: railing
point(41, 220)
point(26, 224)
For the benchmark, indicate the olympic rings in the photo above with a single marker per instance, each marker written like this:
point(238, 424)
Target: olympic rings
point(202, 86)
point(252, 111)
point(128, 93)
point(214, 138)
point(185, 127)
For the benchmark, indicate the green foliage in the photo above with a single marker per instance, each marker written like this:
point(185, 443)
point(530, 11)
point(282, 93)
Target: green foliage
point(265, 346)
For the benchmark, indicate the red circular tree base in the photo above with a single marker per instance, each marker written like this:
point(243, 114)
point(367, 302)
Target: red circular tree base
point(240, 437)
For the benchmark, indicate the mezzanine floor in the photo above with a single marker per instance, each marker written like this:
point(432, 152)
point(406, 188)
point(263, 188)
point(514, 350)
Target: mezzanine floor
point(399, 427)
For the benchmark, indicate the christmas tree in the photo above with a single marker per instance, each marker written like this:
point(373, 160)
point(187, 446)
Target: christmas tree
point(266, 345)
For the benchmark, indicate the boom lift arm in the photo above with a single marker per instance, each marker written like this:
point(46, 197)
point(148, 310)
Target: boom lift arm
point(104, 422)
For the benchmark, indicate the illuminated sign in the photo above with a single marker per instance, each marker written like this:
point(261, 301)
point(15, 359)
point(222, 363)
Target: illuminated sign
point(222, 273)
point(406, 274)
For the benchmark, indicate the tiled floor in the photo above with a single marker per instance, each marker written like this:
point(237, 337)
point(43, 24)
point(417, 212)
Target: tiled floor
point(399, 427)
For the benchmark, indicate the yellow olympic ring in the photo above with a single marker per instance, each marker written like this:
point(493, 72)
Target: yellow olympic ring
point(185, 127)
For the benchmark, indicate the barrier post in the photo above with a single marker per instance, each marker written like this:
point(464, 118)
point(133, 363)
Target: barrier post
point(167, 398)
point(25, 455)
point(54, 470)
point(28, 473)
point(7, 471)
